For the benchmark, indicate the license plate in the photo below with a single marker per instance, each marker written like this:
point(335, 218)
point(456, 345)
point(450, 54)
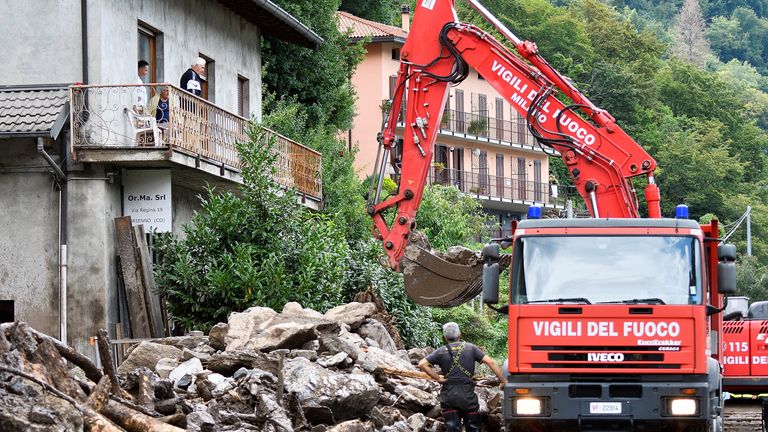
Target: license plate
point(605, 407)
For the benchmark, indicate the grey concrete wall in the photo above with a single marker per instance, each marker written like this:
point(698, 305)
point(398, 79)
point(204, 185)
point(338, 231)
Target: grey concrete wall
point(188, 28)
point(29, 236)
point(185, 203)
point(41, 42)
point(92, 281)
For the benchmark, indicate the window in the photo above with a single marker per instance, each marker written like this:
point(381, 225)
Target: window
point(6, 311)
point(150, 43)
point(209, 79)
point(243, 89)
point(396, 54)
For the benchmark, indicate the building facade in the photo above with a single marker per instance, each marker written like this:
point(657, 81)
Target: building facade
point(483, 146)
point(79, 151)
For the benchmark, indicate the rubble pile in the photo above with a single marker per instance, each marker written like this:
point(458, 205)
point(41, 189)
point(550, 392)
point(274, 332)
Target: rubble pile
point(297, 370)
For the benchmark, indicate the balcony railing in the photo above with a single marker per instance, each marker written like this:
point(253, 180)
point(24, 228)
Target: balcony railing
point(484, 127)
point(113, 116)
point(501, 188)
point(479, 126)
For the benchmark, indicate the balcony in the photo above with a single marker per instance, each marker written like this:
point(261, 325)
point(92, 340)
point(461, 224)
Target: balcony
point(481, 128)
point(109, 126)
point(484, 128)
point(503, 189)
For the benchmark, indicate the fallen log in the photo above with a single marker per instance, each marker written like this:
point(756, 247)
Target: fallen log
point(106, 361)
point(99, 397)
point(91, 371)
point(414, 374)
point(146, 393)
point(134, 421)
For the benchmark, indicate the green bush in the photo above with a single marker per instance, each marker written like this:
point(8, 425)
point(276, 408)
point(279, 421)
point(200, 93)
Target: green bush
point(255, 247)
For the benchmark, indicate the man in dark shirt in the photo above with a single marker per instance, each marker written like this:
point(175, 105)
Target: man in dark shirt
point(190, 80)
point(457, 362)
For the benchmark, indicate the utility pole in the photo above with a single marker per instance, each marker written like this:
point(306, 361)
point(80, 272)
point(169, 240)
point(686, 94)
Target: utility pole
point(749, 231)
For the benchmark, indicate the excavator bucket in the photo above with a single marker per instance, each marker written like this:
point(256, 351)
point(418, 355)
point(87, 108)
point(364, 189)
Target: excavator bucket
point(431, 280)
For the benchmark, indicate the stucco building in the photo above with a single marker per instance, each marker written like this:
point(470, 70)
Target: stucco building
point(78, 151)
point(483, 146)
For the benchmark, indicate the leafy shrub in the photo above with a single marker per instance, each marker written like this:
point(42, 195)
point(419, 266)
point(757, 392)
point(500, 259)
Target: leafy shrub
point(255, 247)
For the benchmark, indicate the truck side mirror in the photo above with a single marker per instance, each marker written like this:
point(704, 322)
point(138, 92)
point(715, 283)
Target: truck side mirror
point(726, 269)
point(491, 273)
point(491, 283)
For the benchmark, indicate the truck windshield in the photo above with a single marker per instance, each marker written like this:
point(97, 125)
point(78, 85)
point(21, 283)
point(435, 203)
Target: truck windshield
point(609, 269)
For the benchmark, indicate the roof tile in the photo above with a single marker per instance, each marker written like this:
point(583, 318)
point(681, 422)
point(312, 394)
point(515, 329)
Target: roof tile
point(30, 109)
point(360, 28)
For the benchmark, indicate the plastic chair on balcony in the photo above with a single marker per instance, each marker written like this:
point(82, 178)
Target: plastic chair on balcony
point(144, 128)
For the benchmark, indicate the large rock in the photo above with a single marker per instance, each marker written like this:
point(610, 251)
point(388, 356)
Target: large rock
point(147, 354)
point(293, 309)
point(416, 400)
point(348, 395)
point(244, 325)
point(376, 331)
point(352, 426)
point(375, 358)
point(353, 314)
point(217, 337)
point(336, 344)
point(288, 335)
point(227, 363)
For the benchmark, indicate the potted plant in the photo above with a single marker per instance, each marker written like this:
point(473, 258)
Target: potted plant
point(478, 127)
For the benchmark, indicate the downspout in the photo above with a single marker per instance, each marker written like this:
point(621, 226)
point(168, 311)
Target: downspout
point(84, 37)
point(62, 180)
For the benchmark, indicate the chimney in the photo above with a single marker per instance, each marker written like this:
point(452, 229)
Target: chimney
point(405, 14)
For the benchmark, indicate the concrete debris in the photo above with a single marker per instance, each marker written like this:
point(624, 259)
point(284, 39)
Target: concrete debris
point(297, 370)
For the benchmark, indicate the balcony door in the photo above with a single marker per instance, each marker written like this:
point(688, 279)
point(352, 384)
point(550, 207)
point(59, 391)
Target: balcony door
point(459, 95)
point(499, 132)
point(458, 168)
point(440, 167)
point(500, 175)
point(521, 179)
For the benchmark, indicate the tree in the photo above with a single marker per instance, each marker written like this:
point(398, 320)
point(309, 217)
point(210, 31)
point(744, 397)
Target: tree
point(316, 78)
point(255, 247)
point(383, 11)
point(449, 218)
point(689, 35)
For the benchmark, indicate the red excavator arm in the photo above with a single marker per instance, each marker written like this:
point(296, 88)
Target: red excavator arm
point(439, 51)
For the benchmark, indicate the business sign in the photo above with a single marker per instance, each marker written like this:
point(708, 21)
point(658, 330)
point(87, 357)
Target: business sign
point(147, 198)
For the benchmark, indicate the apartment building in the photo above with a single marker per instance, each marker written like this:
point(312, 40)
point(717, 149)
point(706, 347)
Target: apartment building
point(483, 146)
point(79, 151)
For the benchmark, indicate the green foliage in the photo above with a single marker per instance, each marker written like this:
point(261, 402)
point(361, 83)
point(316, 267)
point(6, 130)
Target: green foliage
point(489, 332)
point(752, 278)
point(414, 322)
point(449, 218)
point(383, 11)
point(342, 191)
point(317, 78)
point(255, 247)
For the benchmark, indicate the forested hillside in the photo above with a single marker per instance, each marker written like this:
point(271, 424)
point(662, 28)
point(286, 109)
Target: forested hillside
point(687, 79)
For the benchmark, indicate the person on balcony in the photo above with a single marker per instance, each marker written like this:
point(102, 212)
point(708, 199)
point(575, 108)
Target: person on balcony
point(190, 80)
point(160, 107)
point(140, 98)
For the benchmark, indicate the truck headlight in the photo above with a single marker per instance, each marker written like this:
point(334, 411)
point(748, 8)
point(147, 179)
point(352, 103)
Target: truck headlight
point(683, 406)
point(528, 406)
